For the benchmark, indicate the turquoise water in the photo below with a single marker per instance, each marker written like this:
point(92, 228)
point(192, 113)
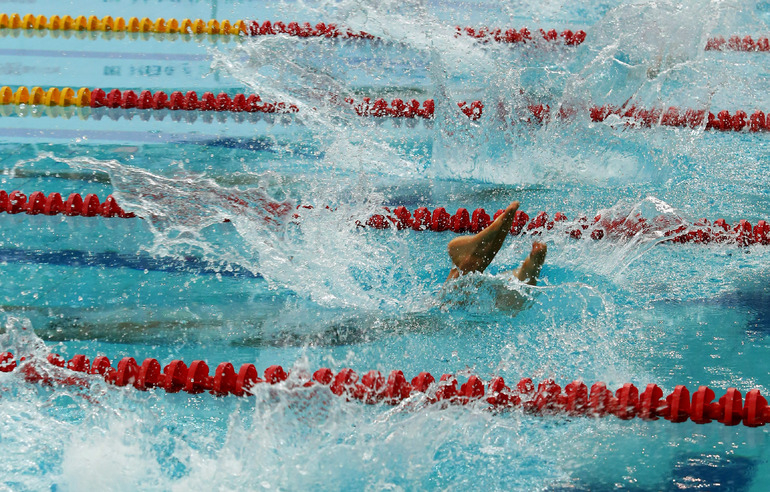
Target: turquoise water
point(318, 291)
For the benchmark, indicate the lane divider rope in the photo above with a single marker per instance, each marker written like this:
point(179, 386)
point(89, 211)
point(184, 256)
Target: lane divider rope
point(736, 43)
point(678, 231)
point(673, 116)
point(254, 28)
point(128, 99)
point(306, 30)
point(161, 25)
point(547, 398)
point(628, 114)
point(512, 36)
point(97, 98)
point(742, 232)
point(632, 115)
point(53, 204)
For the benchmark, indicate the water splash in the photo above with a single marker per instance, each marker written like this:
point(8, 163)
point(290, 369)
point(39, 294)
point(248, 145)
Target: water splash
point(318, 253)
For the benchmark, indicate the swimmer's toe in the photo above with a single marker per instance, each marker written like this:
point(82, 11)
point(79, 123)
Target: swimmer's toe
point(538, 252)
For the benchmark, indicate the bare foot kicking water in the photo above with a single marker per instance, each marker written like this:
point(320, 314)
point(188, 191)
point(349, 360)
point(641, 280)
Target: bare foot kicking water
point(530, 268)
point(475, 253)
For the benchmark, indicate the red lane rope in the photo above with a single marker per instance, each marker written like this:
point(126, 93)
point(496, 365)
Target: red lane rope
point(188, 101)
point(629, 114)
point(632, 115)
point(512, 36)
point(109, 24)
point(252, 103)
point(673, 116)
point(736, 43)
point(397, 108)
point(38, 203)
point(546, 399)
point(483, 34)
point(303, 30)
point(702, 231)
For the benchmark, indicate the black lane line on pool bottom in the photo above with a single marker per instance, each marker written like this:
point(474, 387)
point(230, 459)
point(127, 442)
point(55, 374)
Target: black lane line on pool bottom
point(142, 262)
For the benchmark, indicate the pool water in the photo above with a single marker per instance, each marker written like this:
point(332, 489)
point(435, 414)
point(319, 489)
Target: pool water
point(318, 291)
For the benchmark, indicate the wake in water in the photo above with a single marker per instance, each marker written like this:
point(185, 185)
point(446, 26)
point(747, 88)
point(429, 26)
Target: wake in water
point(320, 253)
point(311, 251)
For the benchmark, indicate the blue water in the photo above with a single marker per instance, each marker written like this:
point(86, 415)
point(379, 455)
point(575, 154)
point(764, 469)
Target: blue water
point(318, 291)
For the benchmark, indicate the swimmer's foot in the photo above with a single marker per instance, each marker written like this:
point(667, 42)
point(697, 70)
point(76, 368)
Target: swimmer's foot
point(529, 270)
point(475, 253)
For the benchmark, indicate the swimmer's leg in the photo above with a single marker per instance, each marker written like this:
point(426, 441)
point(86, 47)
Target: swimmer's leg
point(529, 270)
point(475, 253)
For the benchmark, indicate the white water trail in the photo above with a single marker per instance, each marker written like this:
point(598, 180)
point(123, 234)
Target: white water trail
point(320, 253)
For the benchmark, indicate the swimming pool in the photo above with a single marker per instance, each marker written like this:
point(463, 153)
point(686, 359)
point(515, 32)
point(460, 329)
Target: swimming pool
point(318, 291)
